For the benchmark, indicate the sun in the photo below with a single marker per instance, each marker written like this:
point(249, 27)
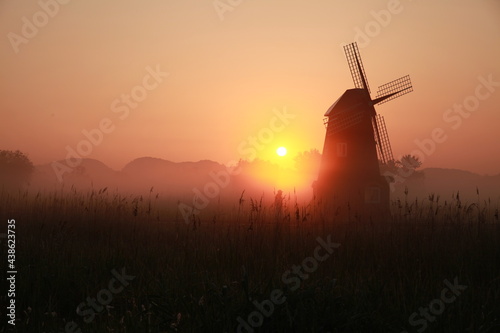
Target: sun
point(281, 151)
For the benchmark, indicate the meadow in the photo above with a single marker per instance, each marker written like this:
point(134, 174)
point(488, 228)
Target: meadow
point(208, 274)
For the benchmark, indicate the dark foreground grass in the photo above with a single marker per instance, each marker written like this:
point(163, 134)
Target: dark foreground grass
point(203, 275)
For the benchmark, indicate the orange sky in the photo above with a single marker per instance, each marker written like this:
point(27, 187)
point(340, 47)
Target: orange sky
point(234, 71)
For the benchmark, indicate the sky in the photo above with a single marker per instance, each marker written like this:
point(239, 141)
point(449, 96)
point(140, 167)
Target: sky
point(188, 80)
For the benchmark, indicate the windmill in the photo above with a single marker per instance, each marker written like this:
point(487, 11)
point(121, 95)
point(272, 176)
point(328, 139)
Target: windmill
point(356, 140)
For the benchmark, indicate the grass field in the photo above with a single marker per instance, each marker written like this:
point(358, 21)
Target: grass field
point(207, 275)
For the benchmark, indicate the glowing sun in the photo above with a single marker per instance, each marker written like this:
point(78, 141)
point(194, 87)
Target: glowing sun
point(281, 151)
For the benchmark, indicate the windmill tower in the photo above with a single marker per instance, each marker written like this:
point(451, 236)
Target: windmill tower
point(356, 140)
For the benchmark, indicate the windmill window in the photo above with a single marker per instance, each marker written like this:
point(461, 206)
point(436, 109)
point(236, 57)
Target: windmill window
point(372, 194)
point(341, 149)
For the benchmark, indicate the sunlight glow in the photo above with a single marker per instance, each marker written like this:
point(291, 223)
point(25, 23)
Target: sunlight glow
point(281, 151)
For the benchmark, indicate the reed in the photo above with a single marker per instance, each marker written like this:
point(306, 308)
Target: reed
point(200, 277)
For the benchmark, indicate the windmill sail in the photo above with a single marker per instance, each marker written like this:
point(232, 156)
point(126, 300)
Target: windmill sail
point(384, 149)
point(393, 89)
point(356, 66)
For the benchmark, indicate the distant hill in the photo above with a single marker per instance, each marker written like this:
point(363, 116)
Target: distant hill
point(180, 178)
point(145, 165)
point(89, 173)
point(447, 182)
point(172, 177)
point(138, 176)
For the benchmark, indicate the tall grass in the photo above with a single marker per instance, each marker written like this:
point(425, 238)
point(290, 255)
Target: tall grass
point(200, 276)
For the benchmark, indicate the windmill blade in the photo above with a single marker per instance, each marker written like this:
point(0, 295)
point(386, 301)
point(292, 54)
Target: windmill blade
point(356, 66)
point(382, 138)
point(380, 152)
point(393, 89)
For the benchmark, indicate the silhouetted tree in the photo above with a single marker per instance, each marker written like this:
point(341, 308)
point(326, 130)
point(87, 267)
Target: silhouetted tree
point(308, 161)
point(15, 169)
point(410, 162)
point(402, 169)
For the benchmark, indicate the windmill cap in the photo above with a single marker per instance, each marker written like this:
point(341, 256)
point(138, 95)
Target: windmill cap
point(350, 99)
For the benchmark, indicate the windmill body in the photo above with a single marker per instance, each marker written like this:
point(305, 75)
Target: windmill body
point(356, 141)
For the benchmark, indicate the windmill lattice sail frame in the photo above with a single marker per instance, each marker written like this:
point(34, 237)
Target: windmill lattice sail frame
point(384, 145)
point(394, 89)
point(356, 66)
